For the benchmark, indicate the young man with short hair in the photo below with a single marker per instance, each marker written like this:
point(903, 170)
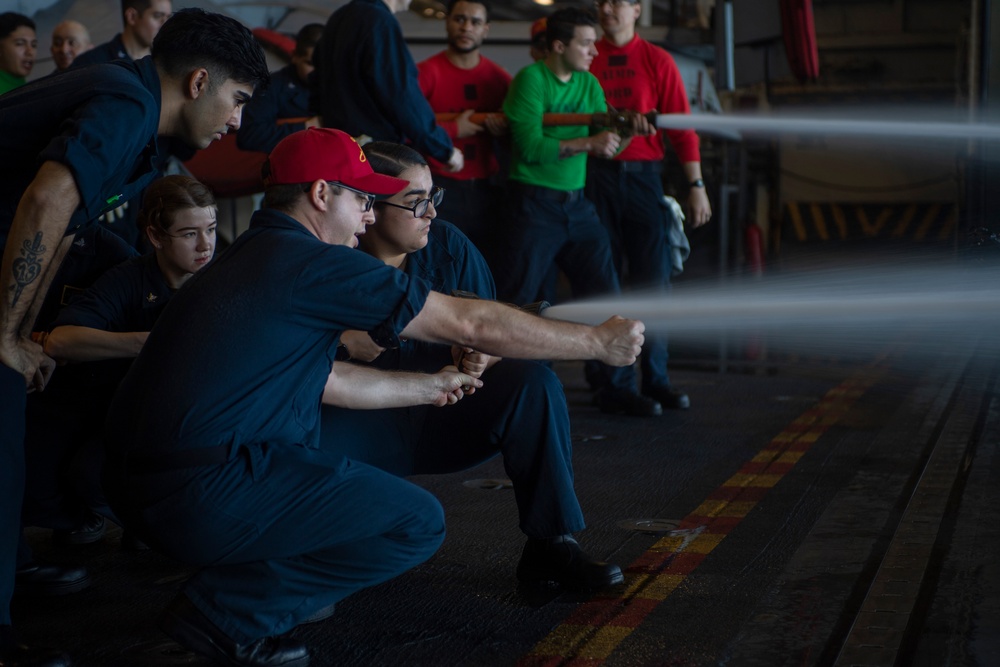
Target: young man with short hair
point(553, 222)
point(141, 21)
point(18, 46)
point(57, 177)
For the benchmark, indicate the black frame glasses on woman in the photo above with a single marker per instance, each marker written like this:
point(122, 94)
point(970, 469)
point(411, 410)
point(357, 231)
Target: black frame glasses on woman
point(419, 208)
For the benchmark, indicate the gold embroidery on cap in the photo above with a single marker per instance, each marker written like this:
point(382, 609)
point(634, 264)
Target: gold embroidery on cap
point(361, 151)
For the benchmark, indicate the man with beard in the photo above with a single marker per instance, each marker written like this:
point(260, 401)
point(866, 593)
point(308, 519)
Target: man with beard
point(460, 79)
point(553, 223)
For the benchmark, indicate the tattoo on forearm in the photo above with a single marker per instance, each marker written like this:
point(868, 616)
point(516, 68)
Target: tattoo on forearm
point(567, 151)
point(28, 267)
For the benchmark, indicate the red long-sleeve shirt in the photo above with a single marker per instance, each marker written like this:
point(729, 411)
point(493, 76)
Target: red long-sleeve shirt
point(450, 89)
point(642, 77)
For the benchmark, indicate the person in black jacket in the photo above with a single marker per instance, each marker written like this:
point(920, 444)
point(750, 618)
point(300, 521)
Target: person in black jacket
point(366, 83)
point(286, 98)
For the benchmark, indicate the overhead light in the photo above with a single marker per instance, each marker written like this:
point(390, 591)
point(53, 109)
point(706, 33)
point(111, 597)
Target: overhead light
point(544, 2)
point(428, 9)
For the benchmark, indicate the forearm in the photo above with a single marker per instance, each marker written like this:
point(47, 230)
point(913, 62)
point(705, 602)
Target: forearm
point(571, 147)
point(692, 171)
point(501, 330)
point(31, 251)
point(364, 388)
point(28, 323)
point(75, 343)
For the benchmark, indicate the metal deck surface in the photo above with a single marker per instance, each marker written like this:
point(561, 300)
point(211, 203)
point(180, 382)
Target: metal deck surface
point(766, 513)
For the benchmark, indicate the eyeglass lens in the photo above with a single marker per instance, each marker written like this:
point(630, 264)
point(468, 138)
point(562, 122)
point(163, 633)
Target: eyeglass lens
point(420, 209)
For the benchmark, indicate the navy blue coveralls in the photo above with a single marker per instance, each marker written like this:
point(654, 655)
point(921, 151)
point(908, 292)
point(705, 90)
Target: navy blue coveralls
point(520, 411)
point(76, 119)
point(286, 97)
point(65, 444)
point(114, 49)
point(366, 82)
point(214, 443)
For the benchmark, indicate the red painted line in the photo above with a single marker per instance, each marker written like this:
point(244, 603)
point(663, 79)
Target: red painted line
point(588, 635)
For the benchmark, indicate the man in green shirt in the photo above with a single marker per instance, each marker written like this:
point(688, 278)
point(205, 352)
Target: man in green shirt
point(553, 223)
point(18, 43)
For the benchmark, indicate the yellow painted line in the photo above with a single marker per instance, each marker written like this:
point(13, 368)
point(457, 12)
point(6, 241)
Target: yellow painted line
point(659, 587)
point(762, 481)
point(677, 555)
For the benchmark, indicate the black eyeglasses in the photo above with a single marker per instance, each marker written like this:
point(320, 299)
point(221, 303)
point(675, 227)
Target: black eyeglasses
point(613, 3)
point(419, 208)
point(369, 197)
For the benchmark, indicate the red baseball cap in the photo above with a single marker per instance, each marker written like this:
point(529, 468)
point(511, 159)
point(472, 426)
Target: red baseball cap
point(326, 154)
point(538, 27)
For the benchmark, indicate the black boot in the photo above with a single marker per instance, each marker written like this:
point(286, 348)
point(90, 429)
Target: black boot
point(561, 560)
point(90, 530)
point(185, 623)
point(40, 578)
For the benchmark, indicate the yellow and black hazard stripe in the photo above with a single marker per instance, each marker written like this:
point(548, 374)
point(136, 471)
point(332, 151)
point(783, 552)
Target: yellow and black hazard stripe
point(925, 221)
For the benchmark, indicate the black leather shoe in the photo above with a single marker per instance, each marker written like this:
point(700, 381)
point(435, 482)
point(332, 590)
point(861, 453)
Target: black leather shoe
point(668, 398)
point(619, 401)
point(186, 625)
point(91, 530)
point(15, 654)
point(561, 560)
point(38, 578)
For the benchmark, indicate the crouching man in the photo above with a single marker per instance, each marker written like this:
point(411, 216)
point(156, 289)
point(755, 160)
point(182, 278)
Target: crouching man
point(214, 443)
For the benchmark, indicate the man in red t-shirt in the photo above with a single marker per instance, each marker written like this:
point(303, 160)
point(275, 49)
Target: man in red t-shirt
point(460, 79)
point(628, 190)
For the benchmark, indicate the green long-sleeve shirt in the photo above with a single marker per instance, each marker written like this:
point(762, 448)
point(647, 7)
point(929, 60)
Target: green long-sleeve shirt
point(9, 82)
point(536, 91)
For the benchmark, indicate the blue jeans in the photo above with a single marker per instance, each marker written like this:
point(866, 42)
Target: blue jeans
point(546, 232)
point(630, 205)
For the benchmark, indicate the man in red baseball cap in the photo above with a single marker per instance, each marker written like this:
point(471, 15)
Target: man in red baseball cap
point(213, 439)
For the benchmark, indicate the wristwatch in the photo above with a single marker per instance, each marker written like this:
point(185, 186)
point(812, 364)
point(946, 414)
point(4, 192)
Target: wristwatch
point(697, 183)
